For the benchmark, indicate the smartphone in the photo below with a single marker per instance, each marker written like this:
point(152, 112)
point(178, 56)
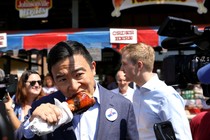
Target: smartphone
point(3, 92)
point(164, 131)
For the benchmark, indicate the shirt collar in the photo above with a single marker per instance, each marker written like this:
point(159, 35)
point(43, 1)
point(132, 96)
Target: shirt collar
point(96, 92)
point(151, 83)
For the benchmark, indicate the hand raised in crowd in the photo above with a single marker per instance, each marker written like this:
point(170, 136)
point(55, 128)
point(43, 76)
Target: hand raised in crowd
point(8, 102)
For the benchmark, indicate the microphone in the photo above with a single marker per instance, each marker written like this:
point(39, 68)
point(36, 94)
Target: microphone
point(204, 74)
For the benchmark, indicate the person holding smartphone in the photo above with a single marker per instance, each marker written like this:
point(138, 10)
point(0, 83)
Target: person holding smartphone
point(29, 89)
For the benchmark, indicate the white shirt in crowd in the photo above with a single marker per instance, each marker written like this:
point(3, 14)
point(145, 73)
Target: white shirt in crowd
point(49, 90)
point(129, 93)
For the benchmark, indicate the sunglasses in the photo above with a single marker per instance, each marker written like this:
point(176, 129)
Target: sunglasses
point(32, 83)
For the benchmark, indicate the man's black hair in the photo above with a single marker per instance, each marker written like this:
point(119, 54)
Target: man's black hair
point(66, 49)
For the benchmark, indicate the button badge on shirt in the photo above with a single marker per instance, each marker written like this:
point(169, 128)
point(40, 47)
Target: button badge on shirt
point(111, 114)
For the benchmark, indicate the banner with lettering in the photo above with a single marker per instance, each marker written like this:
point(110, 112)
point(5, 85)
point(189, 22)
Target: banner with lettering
point(3, 40)
point(123, 35)
point(125, 4)
point(33, 8)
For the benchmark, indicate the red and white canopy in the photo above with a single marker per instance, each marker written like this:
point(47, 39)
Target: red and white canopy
point(91, 38)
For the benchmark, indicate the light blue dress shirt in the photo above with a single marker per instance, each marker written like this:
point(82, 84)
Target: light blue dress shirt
point(156, 102)
point(86, 124)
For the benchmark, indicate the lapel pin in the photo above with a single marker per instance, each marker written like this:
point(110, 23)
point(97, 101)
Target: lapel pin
point(111, 114)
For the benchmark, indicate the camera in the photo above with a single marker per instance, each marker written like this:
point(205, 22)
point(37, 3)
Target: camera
point(182, 69)
point(8, 83)
point(181, 35)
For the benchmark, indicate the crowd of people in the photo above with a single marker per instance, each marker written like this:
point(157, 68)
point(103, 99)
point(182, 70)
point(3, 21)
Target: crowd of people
point(119, 113)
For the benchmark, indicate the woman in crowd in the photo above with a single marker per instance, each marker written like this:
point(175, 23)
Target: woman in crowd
point(49, 86)
point(29, 89)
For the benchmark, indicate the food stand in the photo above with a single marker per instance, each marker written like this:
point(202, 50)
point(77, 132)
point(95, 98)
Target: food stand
point(94, 39)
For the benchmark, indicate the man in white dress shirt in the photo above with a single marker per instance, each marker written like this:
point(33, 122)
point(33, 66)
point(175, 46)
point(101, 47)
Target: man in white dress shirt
point(123, 86)
point(153, 100)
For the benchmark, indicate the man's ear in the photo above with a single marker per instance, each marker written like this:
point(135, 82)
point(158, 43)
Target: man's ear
point(93, 67)
point(140, 65)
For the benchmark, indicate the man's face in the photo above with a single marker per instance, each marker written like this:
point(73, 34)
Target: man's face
point(128, 68)
point(73, 75)
point(122, 81)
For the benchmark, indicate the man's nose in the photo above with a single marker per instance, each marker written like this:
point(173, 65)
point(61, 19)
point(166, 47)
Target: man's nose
point(73, 85)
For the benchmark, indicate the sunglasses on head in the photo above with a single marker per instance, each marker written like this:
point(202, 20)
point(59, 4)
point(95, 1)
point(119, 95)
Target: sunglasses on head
point(32, 83)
